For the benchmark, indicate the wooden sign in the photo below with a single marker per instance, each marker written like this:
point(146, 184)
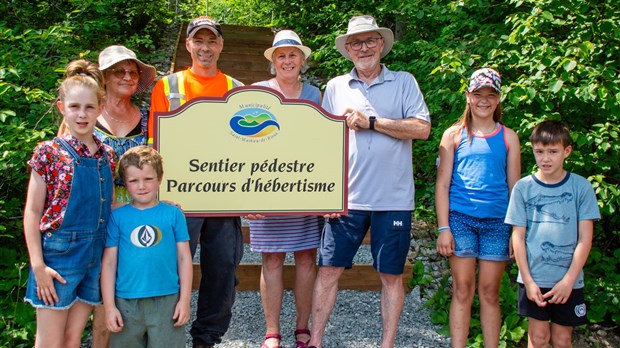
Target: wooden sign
point(253, 151)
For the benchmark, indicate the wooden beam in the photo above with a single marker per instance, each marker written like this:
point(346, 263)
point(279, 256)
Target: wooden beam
point(360, 277)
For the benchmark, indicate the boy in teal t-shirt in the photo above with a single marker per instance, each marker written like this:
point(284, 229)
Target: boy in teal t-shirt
point(552, 213)
point(146, 275)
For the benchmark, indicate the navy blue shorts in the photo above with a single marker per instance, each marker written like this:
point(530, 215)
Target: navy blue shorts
point(389, 241)
point(571, 313)
point(483, 238)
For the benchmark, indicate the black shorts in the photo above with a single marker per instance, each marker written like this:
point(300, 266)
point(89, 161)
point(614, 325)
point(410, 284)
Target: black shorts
point(571, 313)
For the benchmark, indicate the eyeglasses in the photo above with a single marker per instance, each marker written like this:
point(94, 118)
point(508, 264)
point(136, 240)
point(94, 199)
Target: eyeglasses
point(120, 73)
point(371, 42)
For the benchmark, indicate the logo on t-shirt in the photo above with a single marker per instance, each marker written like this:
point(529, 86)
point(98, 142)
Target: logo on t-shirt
point(145, 236)
point(254, 122)
point(580, 310)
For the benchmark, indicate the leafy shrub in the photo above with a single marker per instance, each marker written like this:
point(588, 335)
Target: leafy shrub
point(39, 38)
point(558, 60)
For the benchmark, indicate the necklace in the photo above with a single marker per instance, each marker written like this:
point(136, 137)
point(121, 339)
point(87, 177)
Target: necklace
point(107, 114)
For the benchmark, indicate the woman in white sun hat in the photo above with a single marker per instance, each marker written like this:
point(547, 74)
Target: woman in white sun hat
point(121, 125)
point(274, 236)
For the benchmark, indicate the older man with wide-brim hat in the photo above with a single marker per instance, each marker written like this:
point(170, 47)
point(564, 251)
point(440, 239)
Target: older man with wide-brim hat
point(385, 111)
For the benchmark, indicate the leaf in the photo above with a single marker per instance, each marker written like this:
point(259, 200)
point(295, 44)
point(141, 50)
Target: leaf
point(570, 65)
point(547, 15)
point(605, 146)
point(556, 85)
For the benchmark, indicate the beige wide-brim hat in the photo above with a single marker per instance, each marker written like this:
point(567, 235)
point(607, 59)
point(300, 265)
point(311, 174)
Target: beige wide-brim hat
point(365, 24)
point(286, 38)
point(117, 53)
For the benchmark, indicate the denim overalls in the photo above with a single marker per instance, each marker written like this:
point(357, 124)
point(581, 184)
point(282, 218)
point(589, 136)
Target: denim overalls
point(76, 248)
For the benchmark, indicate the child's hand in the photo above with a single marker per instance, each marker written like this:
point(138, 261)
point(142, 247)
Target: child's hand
point(445, 243)
point(560, 292)
point(113, 319)
point(534, 294)
point(46, 291)
point(181, 313)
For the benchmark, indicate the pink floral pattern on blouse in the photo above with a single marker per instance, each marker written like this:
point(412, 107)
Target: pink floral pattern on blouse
point(54, 164)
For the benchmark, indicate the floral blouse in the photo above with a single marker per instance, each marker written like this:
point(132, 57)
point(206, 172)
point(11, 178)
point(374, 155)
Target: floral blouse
point(54, 164)
point(121, 144)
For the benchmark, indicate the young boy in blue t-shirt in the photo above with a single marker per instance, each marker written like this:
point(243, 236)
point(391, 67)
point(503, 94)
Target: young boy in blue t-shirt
point(552, 213)
point(146, 275)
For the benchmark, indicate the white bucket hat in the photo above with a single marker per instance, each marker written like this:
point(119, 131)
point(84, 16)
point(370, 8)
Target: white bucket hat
point(365, 24)
point(117, 53)
point(286, 38)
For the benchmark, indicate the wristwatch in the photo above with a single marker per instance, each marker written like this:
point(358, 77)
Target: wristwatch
point(372, 120)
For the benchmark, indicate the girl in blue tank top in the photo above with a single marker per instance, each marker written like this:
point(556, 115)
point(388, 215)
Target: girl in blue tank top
point(479, 162)
point(66, 213)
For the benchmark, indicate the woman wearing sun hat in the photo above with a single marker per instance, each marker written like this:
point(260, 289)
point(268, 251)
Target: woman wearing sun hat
point(274, 236)
point(121, 125)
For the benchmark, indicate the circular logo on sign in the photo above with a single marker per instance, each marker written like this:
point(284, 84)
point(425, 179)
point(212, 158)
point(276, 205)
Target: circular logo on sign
point(254, 123)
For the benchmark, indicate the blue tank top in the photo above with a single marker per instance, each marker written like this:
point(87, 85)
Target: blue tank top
point(479, 187)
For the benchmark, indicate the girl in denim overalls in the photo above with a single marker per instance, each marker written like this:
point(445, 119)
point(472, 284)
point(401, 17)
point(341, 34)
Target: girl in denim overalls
point(66, 212)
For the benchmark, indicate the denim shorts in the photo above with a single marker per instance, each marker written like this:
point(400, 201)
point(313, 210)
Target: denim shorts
point(76, 256)
point(571, 313)
point(389, 240)
point(147, 322)
point(483, 238)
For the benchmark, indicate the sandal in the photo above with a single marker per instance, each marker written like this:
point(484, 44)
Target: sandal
point(302, 344)
point(272, 335)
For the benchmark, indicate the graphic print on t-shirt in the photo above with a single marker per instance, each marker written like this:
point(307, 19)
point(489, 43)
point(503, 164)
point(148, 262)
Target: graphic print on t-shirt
point(145, 236)
point(547, 208)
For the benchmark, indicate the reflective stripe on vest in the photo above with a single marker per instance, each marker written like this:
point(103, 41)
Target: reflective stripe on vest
point(174, 89)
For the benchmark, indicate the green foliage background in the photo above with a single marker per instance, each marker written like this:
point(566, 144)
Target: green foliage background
point(38, 38)
point(558, 60)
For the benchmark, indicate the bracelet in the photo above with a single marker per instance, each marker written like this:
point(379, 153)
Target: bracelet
point(443, 228)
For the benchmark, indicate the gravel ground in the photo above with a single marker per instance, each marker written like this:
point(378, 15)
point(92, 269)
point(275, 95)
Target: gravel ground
point(355, 321)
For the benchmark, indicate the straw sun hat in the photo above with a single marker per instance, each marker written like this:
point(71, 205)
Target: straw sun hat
point(117, 53)
point(365, 24)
